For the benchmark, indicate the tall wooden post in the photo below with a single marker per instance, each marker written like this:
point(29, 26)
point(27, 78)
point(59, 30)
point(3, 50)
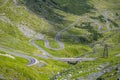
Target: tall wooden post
point(105, 53)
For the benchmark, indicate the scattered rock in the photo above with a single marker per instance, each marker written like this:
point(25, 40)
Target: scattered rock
point(5, 19)
point(39, 36)
point(26, 31)
point(2, 77)
point(15, 2)
point(118, 55)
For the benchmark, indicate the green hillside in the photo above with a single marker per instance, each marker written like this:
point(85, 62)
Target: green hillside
point(59, 39)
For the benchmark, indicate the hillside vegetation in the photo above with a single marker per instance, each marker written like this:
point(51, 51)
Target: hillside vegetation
point(43, 39)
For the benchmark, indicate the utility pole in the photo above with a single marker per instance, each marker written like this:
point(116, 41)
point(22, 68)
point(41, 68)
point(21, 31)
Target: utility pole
point(105, 53)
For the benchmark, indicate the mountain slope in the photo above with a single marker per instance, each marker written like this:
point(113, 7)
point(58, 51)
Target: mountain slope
point(47, 33)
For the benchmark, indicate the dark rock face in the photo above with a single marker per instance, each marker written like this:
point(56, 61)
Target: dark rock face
point(100, 79)
point(44, 0)
point(45, 8)
point(118, 78)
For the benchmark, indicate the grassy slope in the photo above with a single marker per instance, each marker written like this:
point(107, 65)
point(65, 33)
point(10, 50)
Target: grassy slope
point(11, 37)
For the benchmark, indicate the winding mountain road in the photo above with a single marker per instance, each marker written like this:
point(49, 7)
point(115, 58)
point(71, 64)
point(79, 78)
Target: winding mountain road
point(46, 54)
point(74, 59)
point(39, 48)
point(32, 61)
point(57, 37)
